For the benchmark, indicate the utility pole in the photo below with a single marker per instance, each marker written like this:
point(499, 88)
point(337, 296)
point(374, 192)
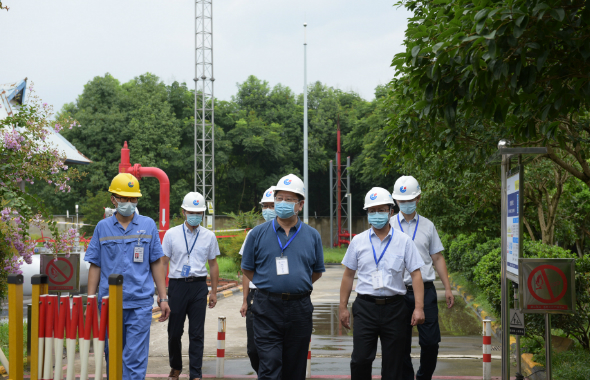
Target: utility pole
point(305, 175)
point(204, 106)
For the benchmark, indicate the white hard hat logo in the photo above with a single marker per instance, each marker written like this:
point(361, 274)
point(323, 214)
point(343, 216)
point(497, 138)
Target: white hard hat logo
point(268, 193)
point(287, 181)
point(403, 189)
point(373, 196)
point(196, 202)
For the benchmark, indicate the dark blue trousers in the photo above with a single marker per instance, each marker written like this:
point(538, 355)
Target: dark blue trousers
point(282, 330)
point(429, 337)
point(251, 346)
point(370, 323)
point(187, 299)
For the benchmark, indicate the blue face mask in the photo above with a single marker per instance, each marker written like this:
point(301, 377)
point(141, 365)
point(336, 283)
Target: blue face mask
point(284, 209)
point(407, 208)
point(126, 208)
point(268, 214)
point(194, 219)
point(379, 219)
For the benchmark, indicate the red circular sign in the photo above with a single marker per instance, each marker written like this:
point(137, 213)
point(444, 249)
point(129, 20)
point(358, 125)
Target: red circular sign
point(54, 273)
point(544, 280)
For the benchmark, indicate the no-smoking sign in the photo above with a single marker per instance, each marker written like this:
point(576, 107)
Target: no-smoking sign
point(547, 285)
point(63, 273)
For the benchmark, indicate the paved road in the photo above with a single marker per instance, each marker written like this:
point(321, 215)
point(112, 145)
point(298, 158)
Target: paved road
point(331, 344)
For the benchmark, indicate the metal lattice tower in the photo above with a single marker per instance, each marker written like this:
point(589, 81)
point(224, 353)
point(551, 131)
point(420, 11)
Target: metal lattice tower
point(204, 102)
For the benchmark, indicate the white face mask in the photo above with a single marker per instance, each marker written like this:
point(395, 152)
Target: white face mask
point(126, 208)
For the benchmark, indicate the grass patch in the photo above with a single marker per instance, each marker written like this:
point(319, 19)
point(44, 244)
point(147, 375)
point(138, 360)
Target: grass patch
point(475, 291)
point(228, 268)
point(4, 339)
point(334, 255)
point(568, 365)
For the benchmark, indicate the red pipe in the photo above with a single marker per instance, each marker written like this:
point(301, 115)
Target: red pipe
point(138, 171)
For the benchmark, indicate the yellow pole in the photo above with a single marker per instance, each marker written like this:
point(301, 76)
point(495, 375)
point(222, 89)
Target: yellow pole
point(115, 327)
point(15, 321)
point(40, 286)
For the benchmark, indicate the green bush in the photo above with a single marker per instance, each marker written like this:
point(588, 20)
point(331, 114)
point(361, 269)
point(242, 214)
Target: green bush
point(230, 247)
point(242, 219)
point(460, 250)
point(568, 365)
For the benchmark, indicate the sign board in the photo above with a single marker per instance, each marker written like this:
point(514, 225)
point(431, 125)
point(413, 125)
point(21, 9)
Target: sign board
point(513, 225)
point(210, 207)
point(209, 221)
point(63, 274)
point(547, 286)
point(516, 322)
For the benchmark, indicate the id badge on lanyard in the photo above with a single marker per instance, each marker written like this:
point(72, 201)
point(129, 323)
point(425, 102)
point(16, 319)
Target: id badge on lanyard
point(377, 276)
point(186, 269)
point(282, 262)
point(138, 250)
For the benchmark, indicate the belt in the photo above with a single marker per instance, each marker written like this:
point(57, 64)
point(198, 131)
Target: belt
point(427, 285)
point(379, 300)
point(189, 279)
point(285, 296)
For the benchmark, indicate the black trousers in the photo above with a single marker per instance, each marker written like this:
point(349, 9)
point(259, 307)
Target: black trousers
point(282, 330)
point(372, 321)
point(187, 298)
point(251, 346)
point(429, 337)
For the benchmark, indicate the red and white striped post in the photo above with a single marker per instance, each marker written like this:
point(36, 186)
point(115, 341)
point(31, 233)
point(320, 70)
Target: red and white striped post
point(72, 330)
point(220, 347)
point(308, 370)
point(85, 343)
point(487, 349)
point(99, 344)
point(49, 320)
point(63, 316)
point(42, 315)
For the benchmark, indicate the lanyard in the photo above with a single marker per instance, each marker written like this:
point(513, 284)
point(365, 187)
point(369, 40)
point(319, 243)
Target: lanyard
point(186, 242)
point(290, 240)
point(382, 253)
point(401, 228)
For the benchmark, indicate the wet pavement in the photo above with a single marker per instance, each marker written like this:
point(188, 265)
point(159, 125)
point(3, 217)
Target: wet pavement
point(331, 345)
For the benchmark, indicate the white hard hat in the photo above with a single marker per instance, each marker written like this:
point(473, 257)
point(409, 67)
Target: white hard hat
point(378, 196)
point(406, 188)
point(194, 201)
point(291, 183)
point(269, 195)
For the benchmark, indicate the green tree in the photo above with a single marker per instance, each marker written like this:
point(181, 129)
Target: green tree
point(93, 210)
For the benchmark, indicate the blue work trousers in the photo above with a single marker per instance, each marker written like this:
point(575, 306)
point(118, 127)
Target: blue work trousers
point(136, 343)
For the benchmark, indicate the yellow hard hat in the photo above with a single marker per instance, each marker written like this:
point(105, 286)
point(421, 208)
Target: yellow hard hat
point(126, 185)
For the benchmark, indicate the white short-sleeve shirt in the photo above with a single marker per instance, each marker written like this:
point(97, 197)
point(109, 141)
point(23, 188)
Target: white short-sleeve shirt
point(250, 284)
point(401, 254)
point(427, 241)
point(174, 245)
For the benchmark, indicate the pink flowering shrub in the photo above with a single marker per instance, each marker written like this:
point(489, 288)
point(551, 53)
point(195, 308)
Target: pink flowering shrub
point(25, 156)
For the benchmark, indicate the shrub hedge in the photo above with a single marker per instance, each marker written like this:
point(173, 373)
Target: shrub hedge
point(479, 261)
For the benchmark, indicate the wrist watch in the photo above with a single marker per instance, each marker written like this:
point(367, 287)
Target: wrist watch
point(163, 299)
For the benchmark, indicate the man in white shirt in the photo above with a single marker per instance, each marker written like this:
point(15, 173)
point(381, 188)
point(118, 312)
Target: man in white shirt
point(380, 255)
point(268, 213)
point(407, 192)
point(188, 247)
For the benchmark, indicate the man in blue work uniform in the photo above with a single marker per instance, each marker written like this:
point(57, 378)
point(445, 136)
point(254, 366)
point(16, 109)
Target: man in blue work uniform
point(268, 213)
point(189, 247)
point(380, 255)
point(128, 244)
point(407, 193)
point(283, 257)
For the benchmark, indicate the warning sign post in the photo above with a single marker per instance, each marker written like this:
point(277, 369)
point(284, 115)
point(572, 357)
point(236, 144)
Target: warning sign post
point(516, 322)
point(547, 286)
point(63, 273)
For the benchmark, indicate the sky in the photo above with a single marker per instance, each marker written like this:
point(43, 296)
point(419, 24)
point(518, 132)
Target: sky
point(61, 45)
